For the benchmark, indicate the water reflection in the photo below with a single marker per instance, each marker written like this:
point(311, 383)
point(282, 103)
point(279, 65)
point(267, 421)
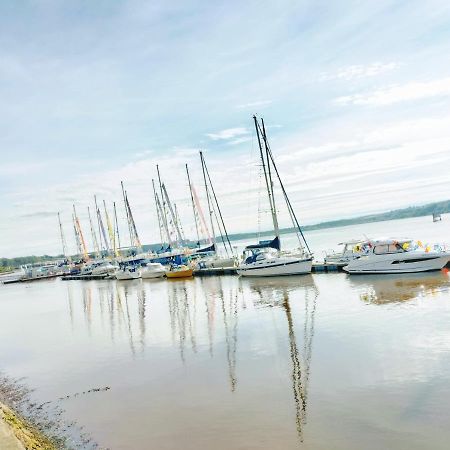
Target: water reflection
point(382, 289)
point(275, 292)
point(195, 311)
point(182, 315)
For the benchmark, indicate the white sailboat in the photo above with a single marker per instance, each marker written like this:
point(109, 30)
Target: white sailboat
point(265, 258)
point(208, 257)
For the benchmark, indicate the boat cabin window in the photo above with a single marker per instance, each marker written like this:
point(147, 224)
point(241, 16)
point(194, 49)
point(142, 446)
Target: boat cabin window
point(388, 248)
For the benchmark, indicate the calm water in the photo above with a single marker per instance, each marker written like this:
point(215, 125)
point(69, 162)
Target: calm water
point(324, 361)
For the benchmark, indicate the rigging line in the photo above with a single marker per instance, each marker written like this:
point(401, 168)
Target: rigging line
point(266, 176)
point(286, 196)
point(126, 211)
point(133, 225)
point(162, 228)
point(163, 208)
point(208, 199)
point(218, 207)
point(94, 237)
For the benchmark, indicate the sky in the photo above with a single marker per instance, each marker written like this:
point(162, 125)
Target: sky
point(355, 96)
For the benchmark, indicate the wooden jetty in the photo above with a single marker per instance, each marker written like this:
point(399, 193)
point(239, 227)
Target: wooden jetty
point(84, 277)
point(323, 267)
point(215, 271)
point(26, 280)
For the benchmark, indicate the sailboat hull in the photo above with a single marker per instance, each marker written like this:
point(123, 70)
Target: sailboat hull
point(276, 267)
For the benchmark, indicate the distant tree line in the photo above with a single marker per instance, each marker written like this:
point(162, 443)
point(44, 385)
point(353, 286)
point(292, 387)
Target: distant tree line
point(20, 260)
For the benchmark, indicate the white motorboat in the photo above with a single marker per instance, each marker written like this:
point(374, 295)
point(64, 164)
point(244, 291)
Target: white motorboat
point(397, 256)
point(265, 258)
point(153, 270)
point(216, 262)
point(128, 273)
point(350, 250)
point(104, 268)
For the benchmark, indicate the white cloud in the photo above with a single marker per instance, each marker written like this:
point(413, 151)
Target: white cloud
point(359, 71)
point(255, 104)
point(229, 133)
point(415, 90)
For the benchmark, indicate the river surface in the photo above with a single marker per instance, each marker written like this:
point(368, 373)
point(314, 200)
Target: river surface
point(323, 361)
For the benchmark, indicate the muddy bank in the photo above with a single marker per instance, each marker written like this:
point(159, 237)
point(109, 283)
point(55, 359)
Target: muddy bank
point(28, 424)
point(17, 434)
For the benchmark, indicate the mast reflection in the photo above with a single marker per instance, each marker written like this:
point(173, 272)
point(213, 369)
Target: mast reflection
point(275, 293)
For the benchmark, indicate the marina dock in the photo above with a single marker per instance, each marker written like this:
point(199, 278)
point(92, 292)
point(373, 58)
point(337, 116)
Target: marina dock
point(84, 277)
point(27, 279)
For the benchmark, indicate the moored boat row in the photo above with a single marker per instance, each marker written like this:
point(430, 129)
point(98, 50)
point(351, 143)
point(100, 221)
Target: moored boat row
point(175, 259)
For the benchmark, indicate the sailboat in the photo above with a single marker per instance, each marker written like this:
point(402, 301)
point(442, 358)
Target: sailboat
point(208, 256)
point(266, 258)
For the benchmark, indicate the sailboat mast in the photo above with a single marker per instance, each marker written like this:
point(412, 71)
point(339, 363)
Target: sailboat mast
point(112, 239)
point(216, 202)
point(163, 208)
point(128, 215)
point(288, 202)
point(158, 213)
point(117, 227)
point(136, 240)
point(172, 215)
point(97, 213)
point(80, 235)
point(268, 181)
point(193, 206)
point(77, 237)
point(63, 239)
point(269, 173)
point(208, 200)
point(94, 237)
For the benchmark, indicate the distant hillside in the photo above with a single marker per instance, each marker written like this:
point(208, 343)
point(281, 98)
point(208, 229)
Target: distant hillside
point(413, 211)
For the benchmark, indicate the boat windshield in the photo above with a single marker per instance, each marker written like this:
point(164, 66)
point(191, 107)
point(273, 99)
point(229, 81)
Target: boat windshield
point(252, 254)
point(395, 247)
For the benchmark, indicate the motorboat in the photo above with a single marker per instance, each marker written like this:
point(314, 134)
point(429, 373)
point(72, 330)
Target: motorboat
point(266, 257)
point(104, 268)
point(128, 273)
point(216, 262)
point(179, 271)
point(350, 250)
point(153, 270)
point(397, 256)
